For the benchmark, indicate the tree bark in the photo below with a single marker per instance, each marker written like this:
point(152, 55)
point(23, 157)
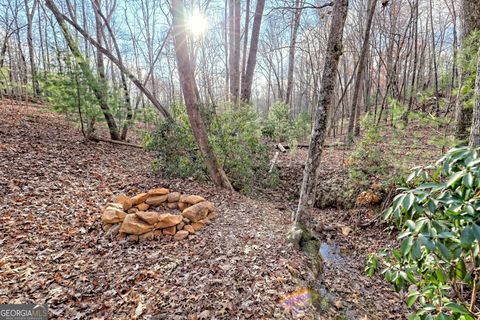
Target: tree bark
point(475, 130)
point(434, 57)
point(355, 111)
point(245, 38)
point(128, 108)
point(412, 93)
point(252, 55)
point(326, 99)
point(291, 51)
point(234, 58)
point(31, 53)
point(470, 23)
point(114, 134)
point(188, 85)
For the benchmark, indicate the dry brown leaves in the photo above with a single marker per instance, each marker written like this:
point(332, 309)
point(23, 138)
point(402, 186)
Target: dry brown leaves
point(52, 186)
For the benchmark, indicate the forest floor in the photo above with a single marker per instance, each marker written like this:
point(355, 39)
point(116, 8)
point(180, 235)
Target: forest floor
point(53, 185)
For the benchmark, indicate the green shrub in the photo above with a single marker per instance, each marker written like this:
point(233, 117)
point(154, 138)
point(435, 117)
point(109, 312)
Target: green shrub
point(302, 125)
point(367, 161)
point(66, 91)
point(438, 261)
point(279, 126)
point(235, 136)
point(69, 91)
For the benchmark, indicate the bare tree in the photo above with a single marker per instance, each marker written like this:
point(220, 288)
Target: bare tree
point(102, 93)
point(31, 52)
point(234, 46)
point(252, 55)
point(355, 110)
point(297, 14)
point(190, 94)
point(97, 8)
point(326, 99)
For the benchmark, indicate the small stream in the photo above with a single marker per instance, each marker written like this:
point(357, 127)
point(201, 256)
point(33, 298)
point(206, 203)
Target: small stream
point(332, 254)
point(321, 298)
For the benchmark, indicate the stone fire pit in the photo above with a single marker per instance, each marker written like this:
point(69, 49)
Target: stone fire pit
point(156, 213)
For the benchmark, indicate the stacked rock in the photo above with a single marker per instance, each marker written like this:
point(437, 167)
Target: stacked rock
point(133, 218)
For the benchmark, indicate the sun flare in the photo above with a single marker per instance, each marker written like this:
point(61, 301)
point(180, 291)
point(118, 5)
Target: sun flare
point(197, 24)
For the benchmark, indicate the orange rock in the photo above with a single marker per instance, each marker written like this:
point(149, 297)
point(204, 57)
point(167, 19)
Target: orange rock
point(134, 225)
point(205, 221)
point(121, 236)
point(173, 196)
point(212, 215)
point(132, 210)
point(182, 205)
point(158, 192)
point(198, 211)
point(197, 225)
point(132, 237)
point(180, 235)
point(113, 215)
point(114, 205)
point(172, 205)
point(192, 199)
point(166, 220)
point(189, 228)
point(146, 236)
point(143, 206)
point(139, 198)
point(125, 201)
point(180, 226)
point(170, 231)
point(148, 216)
point(156, 200)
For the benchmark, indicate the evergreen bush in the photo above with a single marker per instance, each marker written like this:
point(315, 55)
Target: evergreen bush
point(438, 260)
point(235, 136)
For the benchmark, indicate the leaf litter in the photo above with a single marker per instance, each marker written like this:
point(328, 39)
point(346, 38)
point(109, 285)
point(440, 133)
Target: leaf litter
point(53, 185)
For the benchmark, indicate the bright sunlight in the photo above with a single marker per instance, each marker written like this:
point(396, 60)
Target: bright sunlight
point(197, 24)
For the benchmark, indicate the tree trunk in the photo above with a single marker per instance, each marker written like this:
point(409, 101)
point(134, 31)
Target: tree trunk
point(234, 58)
point(252, 55)
point(31, 54)
point(412, 93)
point(355, 111)
point(291, 51)
point(188, 85)
point(434, 57)
point(471, 16)
point(475, 130)
point(245, 38)
point(128, 108)
point(470, 23)
point(326, 99)
point(102, 93)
